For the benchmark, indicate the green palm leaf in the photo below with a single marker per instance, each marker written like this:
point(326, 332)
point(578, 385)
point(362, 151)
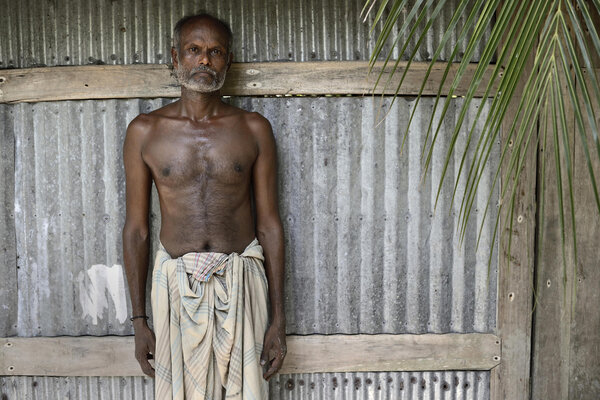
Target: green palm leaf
point(542, 38)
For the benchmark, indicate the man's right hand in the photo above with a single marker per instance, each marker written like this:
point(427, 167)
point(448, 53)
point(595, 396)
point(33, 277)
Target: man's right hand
point(145, 344)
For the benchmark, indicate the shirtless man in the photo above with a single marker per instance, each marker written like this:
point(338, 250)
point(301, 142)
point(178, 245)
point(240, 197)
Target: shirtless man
point(207, 159)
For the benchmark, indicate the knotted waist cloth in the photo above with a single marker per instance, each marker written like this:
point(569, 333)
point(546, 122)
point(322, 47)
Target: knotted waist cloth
point(210, 316)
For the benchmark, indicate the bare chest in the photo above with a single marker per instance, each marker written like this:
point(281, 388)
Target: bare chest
point(182, 160)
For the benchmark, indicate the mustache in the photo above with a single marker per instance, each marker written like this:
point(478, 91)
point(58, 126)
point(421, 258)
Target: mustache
point(203, 68)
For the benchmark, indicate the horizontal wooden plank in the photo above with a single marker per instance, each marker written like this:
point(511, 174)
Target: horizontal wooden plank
point(244, 79)
point(430, 352)
point(113, 355)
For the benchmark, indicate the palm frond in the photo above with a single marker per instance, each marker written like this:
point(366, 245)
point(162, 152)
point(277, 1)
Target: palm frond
point(543, 39)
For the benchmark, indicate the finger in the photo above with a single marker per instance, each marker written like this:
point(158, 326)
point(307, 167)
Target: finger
point(275, 366)
point(272, 354)
point(263, 355)
point(146, 367)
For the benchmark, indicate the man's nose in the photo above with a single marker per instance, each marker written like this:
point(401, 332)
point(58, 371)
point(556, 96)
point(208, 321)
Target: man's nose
point(204, 59)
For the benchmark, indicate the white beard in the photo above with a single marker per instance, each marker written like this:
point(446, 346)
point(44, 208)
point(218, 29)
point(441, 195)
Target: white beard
point(185, 79)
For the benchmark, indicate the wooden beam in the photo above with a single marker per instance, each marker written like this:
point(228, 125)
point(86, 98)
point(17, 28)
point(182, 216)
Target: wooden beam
point(244, 79)
point(566, 345)
point(346, 353)
point(113, 355)
point(511, 379)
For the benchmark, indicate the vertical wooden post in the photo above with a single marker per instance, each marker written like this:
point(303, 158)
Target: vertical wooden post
point(511, 379)
point(8, 250)
point(551, 336)
point(566, 343)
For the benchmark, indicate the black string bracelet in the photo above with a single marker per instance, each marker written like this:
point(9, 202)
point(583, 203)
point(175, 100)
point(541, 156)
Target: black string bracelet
point(139, 316)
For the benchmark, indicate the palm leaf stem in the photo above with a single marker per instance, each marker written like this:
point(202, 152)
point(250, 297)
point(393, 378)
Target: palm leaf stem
point(422, 37)
point(578, 117)
point(500, 103)
point(542, 180)
point(591, 27)
point(586, 55)
point(492, 124)
point(386, 29)
point(569, 167)
point(557, 161)
point(463, 33)
point(406, 23)
point(539, 88)
point(492, 44)
point(486, 14)
point(453, 21)
point(507, 87)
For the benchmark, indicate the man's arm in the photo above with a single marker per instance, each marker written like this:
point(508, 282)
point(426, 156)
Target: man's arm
point(136, 237)
point(270, 234)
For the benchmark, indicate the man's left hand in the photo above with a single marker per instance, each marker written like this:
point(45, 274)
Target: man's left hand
point(274, 349)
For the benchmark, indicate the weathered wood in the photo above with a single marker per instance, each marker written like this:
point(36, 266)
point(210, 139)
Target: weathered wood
point(339, 353)
point(550, 351)
point(8, 249)
point(113, 355)
point(244, 79)
point(566, 341)
point(510, 380)
point(584, 348)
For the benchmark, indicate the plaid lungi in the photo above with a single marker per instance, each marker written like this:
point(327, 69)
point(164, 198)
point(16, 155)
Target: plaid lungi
point(210, 316)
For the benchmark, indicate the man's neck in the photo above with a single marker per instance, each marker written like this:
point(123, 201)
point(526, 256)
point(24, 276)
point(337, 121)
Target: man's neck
point(198, 106)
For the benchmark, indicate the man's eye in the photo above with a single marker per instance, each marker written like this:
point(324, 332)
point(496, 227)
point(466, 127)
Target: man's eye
point(215, 51)
point(193, 49)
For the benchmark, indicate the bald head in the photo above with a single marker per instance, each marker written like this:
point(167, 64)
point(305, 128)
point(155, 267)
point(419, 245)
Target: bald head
point(207, 18)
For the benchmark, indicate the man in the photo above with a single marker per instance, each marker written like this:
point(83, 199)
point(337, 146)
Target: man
point(210, 161)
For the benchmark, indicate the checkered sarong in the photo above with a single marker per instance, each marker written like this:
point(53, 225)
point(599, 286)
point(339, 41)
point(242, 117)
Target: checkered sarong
point(210, 315)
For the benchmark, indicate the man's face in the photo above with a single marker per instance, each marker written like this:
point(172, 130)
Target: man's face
point(202, 60)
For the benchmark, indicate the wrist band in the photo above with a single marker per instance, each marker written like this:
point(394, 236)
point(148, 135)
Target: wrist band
point(139, 316)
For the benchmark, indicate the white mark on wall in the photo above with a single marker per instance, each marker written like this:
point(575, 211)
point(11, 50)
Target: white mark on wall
point(98, 284)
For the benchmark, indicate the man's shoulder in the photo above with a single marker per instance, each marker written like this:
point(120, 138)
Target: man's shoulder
point(257, 124)
point(145, 122)
point(251, 117)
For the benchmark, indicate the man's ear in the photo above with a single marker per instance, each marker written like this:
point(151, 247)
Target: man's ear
point(174, 57)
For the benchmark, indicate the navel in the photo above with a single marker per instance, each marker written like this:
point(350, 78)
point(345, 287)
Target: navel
point(166, 171)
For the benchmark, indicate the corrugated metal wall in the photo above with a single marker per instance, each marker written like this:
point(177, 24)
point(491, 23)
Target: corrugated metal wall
point(447, 385)
point(365, 252)
point(79, 32)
